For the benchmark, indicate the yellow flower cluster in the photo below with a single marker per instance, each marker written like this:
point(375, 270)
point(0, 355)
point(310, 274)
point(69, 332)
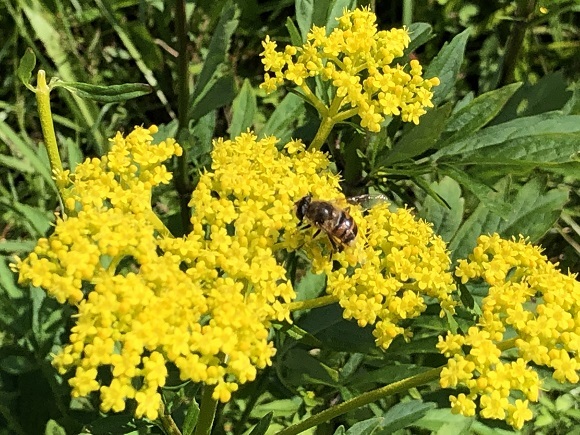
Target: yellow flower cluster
point(356, 59)
point(395, 269)
point(531, 305)
point(203, 302)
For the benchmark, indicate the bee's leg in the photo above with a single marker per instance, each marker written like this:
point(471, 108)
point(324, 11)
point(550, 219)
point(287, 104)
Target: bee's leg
point(335, 246)
point(316, 233)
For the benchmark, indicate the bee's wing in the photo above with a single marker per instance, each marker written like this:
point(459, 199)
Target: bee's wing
point(368, 200)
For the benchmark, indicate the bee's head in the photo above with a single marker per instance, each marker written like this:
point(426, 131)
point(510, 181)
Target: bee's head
point(302, 206)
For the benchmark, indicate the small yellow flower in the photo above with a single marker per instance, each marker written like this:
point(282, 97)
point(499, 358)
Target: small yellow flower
point(357, 59)
point(540, 304)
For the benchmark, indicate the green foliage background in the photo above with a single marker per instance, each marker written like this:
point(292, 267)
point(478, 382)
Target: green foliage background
point(498, 153)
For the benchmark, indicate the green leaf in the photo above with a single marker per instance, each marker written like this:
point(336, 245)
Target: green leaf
point(219, 93)
point(548, 94)
point(366, 427)
point(300, 335)
point(263, 424)
point(293, 31)
point(481, 221)
point(28, 150)
point(40, 219)
point(386, 374)
point(16, 164)
point(244, 108)
point(25, 67)
point(310, 286)
point(479, 112)
point(281, 122)
point(106, 94)
point(74, 153)
point(445, 220)
point(482, 191)
point(304, 13)
point(419, 138)
point(335, 10)
point(420, 33)
point(446, 65)
point(500, 136)
point(7, 279)
point(12, 246)
point(534, 211)
point(402, 415)
point(216, 56)
point(301, 367)
point(443, 422)
point(541, 150)
point(16, 360)
point(53, 428)
point(191, 417)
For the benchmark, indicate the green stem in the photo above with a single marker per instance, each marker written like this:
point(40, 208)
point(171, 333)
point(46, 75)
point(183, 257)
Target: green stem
point(407, 12)
point(323, 131)
point(314, 100)
point(167, 422)
point(328, 121)
point(206, 411)
point(181, 178)
point(362, 400)
point(312, 303)
point(523, 15)
point(43, 101)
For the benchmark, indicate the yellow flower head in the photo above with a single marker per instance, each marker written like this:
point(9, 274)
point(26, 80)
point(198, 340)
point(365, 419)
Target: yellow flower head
point(205, 302)
point(529, 298)
point(357, 59)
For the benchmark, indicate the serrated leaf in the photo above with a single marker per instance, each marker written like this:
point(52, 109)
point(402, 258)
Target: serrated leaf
point(481, 221)
point(217, 54)
point(502, 134)
point(446, 65)
point(445, 220)
point(482, 191)
point(402, 415)
point(263, 424)
point(106, 94)
point(479, 112)
point(534, 211)
point(243, 109)
point(419, 138)
point(528, 151)
point(25, 67)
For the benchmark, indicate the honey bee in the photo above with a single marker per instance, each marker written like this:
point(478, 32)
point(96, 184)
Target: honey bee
point(336, 222)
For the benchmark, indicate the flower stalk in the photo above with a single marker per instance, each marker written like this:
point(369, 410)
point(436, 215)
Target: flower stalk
point(362, 400)
point(45, 114)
